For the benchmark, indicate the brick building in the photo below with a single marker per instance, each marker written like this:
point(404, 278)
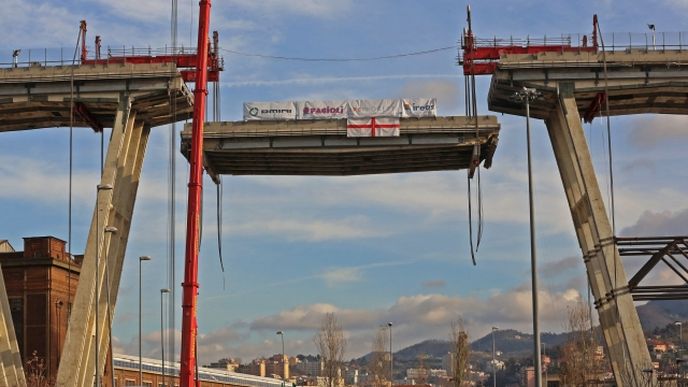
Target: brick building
point(41, 284)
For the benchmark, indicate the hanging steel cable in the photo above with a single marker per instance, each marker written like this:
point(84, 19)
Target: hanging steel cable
point(471, 106)
point(71, 172)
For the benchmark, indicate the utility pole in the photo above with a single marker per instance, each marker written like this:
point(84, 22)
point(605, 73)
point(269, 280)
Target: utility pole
point(494, 360)
point(527, 95)
point(391, 357)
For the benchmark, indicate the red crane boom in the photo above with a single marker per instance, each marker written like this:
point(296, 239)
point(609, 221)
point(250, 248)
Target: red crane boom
point(190, 284)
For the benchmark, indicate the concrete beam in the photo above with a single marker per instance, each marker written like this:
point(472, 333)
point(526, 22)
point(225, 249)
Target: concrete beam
point(115, 208)
point(321, 147)
point(11, 370)
point(619, 320)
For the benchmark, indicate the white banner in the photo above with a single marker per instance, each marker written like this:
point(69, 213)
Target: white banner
point(313, 110)
point(373, 127)
point(365, 108)
point(419, 107)
point(269, 111)
point(337, 109)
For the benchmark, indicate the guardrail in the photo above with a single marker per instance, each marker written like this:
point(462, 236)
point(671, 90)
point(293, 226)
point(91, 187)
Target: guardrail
point(613, 42)
point(65, 56)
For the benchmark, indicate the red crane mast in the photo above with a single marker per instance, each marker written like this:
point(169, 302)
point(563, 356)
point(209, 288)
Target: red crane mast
point(190, 284)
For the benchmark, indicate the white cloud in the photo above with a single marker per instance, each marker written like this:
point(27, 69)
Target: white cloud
point(149, 11)
point(658, 129)
point(31, 23)
point(310, 230)
point(681, 5)
point(315, 8)
point(305, 80)
point(421, 316)
point(342, 275)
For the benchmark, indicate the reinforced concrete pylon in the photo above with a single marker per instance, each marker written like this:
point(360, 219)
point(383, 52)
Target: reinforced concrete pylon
point(11, 370)
point(122, 170)
point(618, 317)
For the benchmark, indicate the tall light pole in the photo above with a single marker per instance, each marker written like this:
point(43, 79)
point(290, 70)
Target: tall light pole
point(284, 374)
point(109, 230)
point(544, 354)
point(679, 359)
point(162, 332)
point(99, 189)
point(141, 259)
point(391, 356)
point(494, 360)
point(680, 334)
point(527, 95)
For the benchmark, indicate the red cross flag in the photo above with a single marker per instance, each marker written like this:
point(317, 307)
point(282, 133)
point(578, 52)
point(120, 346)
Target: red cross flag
point(372, 127)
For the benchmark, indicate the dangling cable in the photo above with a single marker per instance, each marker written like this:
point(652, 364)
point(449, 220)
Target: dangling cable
point(71, 175)
point(470, 219)
point(480, 211)
point(219, 230)
point(474, 100)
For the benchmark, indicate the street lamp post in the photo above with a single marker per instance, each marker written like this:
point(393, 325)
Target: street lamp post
point(391, 356)
point(544, 354)
point(162, 333)
point(141, 259)
point(99, 189)
point(284, 374)
point(58, 307)
point(109, 230)
point(494, 360)
point(680, 334)
point(526, 95)
point(679, 324)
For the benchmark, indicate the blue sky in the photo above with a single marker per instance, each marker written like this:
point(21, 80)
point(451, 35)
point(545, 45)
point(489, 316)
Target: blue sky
point(373, 249)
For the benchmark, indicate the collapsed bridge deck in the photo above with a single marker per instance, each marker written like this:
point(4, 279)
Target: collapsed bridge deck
point(45, 97)
point(321, 147)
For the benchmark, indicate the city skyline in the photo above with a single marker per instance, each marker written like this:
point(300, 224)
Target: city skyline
point(371, 249)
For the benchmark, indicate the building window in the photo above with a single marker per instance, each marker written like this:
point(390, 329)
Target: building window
point(129, 382)
point(147, 384)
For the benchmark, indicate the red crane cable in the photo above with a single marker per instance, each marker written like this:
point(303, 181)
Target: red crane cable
point(190, 284)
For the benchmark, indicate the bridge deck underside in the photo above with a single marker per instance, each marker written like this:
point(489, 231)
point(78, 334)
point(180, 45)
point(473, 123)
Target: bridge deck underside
point(321, 147)
point(41, 97)
point(636, 81)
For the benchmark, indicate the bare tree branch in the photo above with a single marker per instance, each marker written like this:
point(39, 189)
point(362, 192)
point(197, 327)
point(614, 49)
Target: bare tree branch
point(331, 344)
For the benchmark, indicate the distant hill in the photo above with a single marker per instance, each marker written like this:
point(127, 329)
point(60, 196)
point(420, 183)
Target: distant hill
point(432, 348)
point(658, 314)
point(654, 316)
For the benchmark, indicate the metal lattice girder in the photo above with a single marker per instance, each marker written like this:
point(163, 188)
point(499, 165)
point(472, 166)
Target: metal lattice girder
point(11, 370)
point(619, 320)
point(672, 251)
point(114, 208)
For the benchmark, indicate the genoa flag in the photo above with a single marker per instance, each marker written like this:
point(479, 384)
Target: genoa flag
point(372, 127)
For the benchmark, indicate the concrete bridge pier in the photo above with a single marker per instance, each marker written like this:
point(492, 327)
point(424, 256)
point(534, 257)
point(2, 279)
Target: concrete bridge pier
point(619, 320)
point(114, 208)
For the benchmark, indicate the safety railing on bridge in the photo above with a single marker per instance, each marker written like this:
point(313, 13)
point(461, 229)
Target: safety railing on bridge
point(480, 55)
point(63, 56)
